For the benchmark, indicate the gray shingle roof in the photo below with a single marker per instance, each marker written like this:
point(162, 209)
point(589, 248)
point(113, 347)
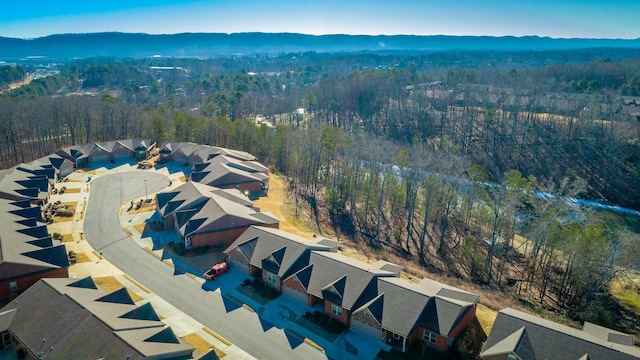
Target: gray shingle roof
point(531, 337)
point(25, 245)
point(201, 208)
point(404, 305)
point(71, 327)
point(608, 334)
point(291, 251)
point(249, 166)
point(222, 175)
point(170, 147)
point(20, 183)
point(359, 282)
point(133, 144)
point(304, 275)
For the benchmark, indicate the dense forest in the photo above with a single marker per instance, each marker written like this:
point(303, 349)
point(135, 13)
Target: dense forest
point(440, 164)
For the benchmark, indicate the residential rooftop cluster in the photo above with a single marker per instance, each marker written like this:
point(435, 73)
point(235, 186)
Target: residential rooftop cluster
point(371, 298)
point(214, 209)
point(76, 319)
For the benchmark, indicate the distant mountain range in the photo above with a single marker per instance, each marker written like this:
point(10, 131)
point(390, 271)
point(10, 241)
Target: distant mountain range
point(119, 45)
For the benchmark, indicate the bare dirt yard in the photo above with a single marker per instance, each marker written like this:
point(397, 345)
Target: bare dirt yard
point(18, 84)
point(281, 204)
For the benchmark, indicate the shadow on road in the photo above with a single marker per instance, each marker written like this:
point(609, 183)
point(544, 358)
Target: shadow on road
point(230, 305)
point(294, 340)
point(265, 324)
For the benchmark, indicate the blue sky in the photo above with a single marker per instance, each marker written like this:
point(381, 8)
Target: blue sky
point(554, 18)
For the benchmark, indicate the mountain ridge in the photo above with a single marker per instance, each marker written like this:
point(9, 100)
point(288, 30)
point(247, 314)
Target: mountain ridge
point(120, 44)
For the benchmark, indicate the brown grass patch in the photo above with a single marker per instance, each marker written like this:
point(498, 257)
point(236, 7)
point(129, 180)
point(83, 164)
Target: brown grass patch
point(110, 284)
point(82, 258)
point(486, 317)
point(202, 346)
point(67, 238)
point(140, 228)
point(72, 190)
point(153, 160)
point(627, 292)
point(86, 171)
point(183, 179)
point(278, 202)
point(84, 209)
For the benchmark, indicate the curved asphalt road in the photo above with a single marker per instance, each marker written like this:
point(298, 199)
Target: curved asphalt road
point(103, 231)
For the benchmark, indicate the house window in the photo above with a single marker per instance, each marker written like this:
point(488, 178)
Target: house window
point(13, 286)
point(336, 310)
point(272, 278)
point(430, 337)
point(6, 340)
point(295, 280)
point(367, 313)
point(512, 357)
point(396, 336)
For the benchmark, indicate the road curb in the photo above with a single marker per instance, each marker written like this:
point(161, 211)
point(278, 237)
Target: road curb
point(314, 344)
point(305, 339)
point(136, 283)
point(217, 336)
point(153, 253)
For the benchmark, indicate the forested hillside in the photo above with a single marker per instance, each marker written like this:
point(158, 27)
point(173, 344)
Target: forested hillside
point(437, 158)
point(206, 45)
point(11, 74)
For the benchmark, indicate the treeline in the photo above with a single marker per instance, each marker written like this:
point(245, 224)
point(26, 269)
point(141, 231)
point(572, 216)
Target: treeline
point(549, 135)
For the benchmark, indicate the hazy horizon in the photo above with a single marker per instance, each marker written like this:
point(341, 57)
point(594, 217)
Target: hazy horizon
point(544, 18)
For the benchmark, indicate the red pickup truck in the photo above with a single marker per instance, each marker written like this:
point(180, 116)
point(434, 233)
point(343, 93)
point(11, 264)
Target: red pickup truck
point(216, 270)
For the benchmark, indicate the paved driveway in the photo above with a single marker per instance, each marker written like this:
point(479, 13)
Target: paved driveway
point(103, 231)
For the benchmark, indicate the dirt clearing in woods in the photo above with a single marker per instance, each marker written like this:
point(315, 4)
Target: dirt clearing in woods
point(280, 203)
